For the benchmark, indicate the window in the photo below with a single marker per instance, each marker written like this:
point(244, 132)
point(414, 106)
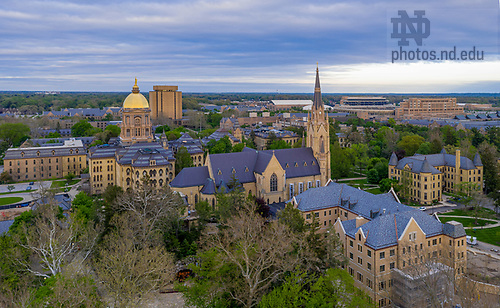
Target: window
point(369, 252)
point(360, 261)
point(382, 255)
point(274, 182)
point(369, 266)
point(292, 190)
point(360, 277)
point(308, 216)
point(360, 248)
point(301, 188)
point(351, 256)
point(369, 283)
point(316, 214)
point(434, 242)
point(391, 265)
point(412, 236)
point(318, 183)
point(382, 285)
point(351, 243)
point(392, 252)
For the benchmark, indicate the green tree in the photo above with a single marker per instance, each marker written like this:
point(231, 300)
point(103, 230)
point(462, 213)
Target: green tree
point(84, 207)
point(182, 159)
point(108, 117)
point(489, 158)
point(53, 135)
point(5, 178)
point(114, 129)
point(425, 148)
point(13, 134)
point(161, 128)
point(278, 144)
point(410, 144)
point(83, 128)
point(238, 147)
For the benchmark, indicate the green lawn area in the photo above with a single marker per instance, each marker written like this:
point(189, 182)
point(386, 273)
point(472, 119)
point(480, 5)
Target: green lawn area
point(62, 183)
point(482, 212)
point(375, 191)
point(467, 222)
point(491, 235)
point(10, 200)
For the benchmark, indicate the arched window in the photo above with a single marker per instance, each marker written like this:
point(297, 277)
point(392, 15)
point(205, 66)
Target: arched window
point(195, 198)
point(128, 171)
point(128, 181)
point(274, 182)
point(322, 145)
point(137, 174)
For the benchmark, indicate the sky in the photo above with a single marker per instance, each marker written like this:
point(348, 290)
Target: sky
point(246, 45)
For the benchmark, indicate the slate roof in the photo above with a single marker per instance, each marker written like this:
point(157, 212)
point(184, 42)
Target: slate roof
point(70, 148)
point(63, 200)
point(43, 142)
point(242, 165)
point(417, 164)
point(385, 230)
point(192, 176)
point(355, 200)
point(86, 112)
point(192, 145)
point(394, 160)
point(5, 225)
point(454, 229)
point(218, 135)
point(141, 153)
point(477, 160)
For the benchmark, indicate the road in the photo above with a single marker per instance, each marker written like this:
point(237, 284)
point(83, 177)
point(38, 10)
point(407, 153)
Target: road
point(24, 186)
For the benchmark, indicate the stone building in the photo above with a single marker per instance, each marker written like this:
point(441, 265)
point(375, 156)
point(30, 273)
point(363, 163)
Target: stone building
point(426, 108)
point(166, 103)
point(136, 155)
point(380, 235)
point(425, 177)
point(274, 175)
point(37, 163)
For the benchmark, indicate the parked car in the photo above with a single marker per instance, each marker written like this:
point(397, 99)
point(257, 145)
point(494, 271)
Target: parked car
point(31, 183)
point(422, 208)
point(29, 188)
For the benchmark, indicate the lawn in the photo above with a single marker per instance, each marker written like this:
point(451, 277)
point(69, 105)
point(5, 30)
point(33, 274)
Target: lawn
point(62, 183)
point(482, 212)
point(467, 222)
point(375, 191)
point(491, 235)
point(10, 200)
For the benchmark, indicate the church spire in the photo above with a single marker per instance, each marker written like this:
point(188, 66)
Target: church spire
point(317, 101)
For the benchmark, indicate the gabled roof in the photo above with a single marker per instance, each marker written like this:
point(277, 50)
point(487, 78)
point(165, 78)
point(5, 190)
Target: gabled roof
point(417, 162)
point(193, 176)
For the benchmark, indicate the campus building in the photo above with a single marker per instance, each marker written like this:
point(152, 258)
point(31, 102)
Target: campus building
point(47, 162)
point(381, 236)
point(427, 108)
point(166, 103)
point(425, 177)
point(274, 175)
point(135, 155)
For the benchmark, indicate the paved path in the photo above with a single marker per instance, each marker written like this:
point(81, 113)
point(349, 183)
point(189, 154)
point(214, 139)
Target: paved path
point(351, 179)
point(496, 224)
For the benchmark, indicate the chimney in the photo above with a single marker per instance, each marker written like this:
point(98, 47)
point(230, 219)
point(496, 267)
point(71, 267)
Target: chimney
point(360, 221)
point(457, 161)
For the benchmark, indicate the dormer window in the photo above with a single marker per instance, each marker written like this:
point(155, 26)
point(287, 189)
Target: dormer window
point(305, 164)
point(152, 162)
point(233, 171)
point(76, 151)
point(296, 165)
point(22, 154)
point(246, 169)
point(53, 152)
point(286, 166)
point(219, 172)
point(71, 151)
point(313, 163)
point(37, 153)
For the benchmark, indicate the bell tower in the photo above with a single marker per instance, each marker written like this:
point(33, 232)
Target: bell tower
point(318, 133)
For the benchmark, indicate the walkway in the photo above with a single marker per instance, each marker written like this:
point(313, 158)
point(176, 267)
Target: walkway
point(351, 179)
point(496, 224)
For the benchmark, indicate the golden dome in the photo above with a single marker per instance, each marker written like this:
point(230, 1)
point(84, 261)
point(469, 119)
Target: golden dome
point(135, 99)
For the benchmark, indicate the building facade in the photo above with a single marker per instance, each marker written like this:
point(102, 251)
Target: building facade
point(425, 177)
point(426, 108)
point(136, 155)
point(38, 163)
point(166, 102)
point(381, 235)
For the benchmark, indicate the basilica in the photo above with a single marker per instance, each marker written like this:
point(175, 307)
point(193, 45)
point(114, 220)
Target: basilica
point(274, 175)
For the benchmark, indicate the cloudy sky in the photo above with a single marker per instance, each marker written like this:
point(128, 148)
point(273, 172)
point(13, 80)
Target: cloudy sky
point(243, 45)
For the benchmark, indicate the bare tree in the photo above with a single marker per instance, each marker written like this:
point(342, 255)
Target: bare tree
point(150, 209)
point(51, 241)
point(260, 253)
point(128, 272)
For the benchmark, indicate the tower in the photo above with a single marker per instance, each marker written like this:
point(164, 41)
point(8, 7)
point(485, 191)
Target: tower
point(166, 103)
point(318, 133)
point(136, 121)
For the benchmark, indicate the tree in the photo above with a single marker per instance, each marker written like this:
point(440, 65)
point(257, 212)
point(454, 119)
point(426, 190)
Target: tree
point(244, 258)
point(69, 177)
point(5, 178)
point(108, 117)
point(13, 134)
point(489, 156)
point(425, 148)
point(114, 129)
point(278, 144)
point(238, 147)
point(51, 240)
point(83, 128)
point(11, 188)
point(182, 160)
point(128, 271)
point(83, 207)
point(410, 144)
point(53, 135)
point(333, 289)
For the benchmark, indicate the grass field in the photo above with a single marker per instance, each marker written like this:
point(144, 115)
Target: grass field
point(491, 235)
point(482, 212)
point(10, 200)
point(62, 183)
point(467, 222)
point(374, 191)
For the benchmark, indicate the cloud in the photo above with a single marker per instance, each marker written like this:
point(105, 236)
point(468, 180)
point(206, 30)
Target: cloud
point(85, 45)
